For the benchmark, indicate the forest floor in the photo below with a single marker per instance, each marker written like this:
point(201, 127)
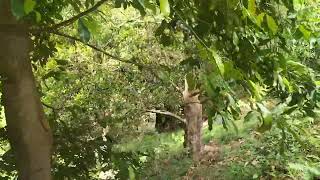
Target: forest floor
point(228, 155)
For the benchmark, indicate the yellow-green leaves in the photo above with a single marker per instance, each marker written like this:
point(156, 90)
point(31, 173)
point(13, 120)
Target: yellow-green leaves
point(252, 7)
point(259, 19)
point(92, 25)
point(298, 4)
point(287, 84)
point(267, 118)
point(257, 90)
point(272, 24)
point(29, 6)
point(306, 33)
point(165, 7)
point(38, 16)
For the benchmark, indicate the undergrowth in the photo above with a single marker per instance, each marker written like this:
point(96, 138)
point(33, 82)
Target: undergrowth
point(245, 155)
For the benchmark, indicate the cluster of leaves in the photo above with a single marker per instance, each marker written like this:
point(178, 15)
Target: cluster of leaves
point(265, 47)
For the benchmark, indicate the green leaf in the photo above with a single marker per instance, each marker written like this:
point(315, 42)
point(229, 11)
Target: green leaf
point(306, 33)
point(29, 6)
point(252, 115)
point(252, 7)
point(92, 25)
point(272, 24)
point(298, 4)
point(297, 67)
point(165, 7)
point(259, 19)
point(218, 61)
point(17, 8)
point(132, 175)
point(139, 5)
point(38, 16)
point(287, 84)
point(256, 89)
point(267, 118)
point(83, 31)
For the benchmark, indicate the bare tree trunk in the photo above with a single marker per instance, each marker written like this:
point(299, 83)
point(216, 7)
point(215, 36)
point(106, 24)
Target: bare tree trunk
point(29, 132)
point(193, 115)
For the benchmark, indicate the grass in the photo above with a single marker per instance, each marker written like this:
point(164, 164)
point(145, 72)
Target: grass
point(256, 157)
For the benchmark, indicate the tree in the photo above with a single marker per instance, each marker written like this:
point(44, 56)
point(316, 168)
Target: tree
point(233, 45)
point(29, 132)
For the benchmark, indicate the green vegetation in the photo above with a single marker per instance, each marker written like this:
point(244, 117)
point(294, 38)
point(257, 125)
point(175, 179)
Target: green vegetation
point(97, 89)
point(242, 155)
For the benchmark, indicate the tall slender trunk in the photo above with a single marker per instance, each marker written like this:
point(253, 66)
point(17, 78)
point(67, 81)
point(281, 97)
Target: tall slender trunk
point(193, 115)
point(29, 133)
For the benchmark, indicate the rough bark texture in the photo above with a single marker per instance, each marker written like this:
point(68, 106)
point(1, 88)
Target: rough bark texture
point(193, 115)
point(29, 132)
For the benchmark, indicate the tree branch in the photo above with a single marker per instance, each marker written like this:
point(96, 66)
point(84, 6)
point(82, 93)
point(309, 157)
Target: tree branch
point(168, 114)
point(98, 49)
point(73, 19)
point(50, 107)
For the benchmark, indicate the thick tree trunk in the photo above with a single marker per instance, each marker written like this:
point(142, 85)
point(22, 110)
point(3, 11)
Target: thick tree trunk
point(29, 133)
point(193, 115)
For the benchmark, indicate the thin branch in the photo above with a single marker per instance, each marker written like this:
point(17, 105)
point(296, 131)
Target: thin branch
point(50, 107)
point(102, 15)
point(168, 114)
point(73, 19)
point(99, 50)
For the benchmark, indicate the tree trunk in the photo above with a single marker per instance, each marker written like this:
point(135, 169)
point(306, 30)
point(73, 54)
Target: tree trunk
point(193, 115)
point(29, 132)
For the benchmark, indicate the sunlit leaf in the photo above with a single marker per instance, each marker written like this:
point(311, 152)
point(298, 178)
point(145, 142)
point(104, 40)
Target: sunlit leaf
point(260, 18)
point(165, 7)
point(287, 84)
point(267, 118)
point(256, 89)
point(92, 25)
point(272, 24)
point(298, 4)
point(306, 33)
point(38, 16)
point(29, 6)
point(252, 7)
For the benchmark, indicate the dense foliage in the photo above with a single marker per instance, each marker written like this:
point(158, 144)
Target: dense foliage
point(100, 66)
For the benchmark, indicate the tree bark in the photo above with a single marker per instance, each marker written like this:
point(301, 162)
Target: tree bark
point(29, 133)
point(193, 116)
